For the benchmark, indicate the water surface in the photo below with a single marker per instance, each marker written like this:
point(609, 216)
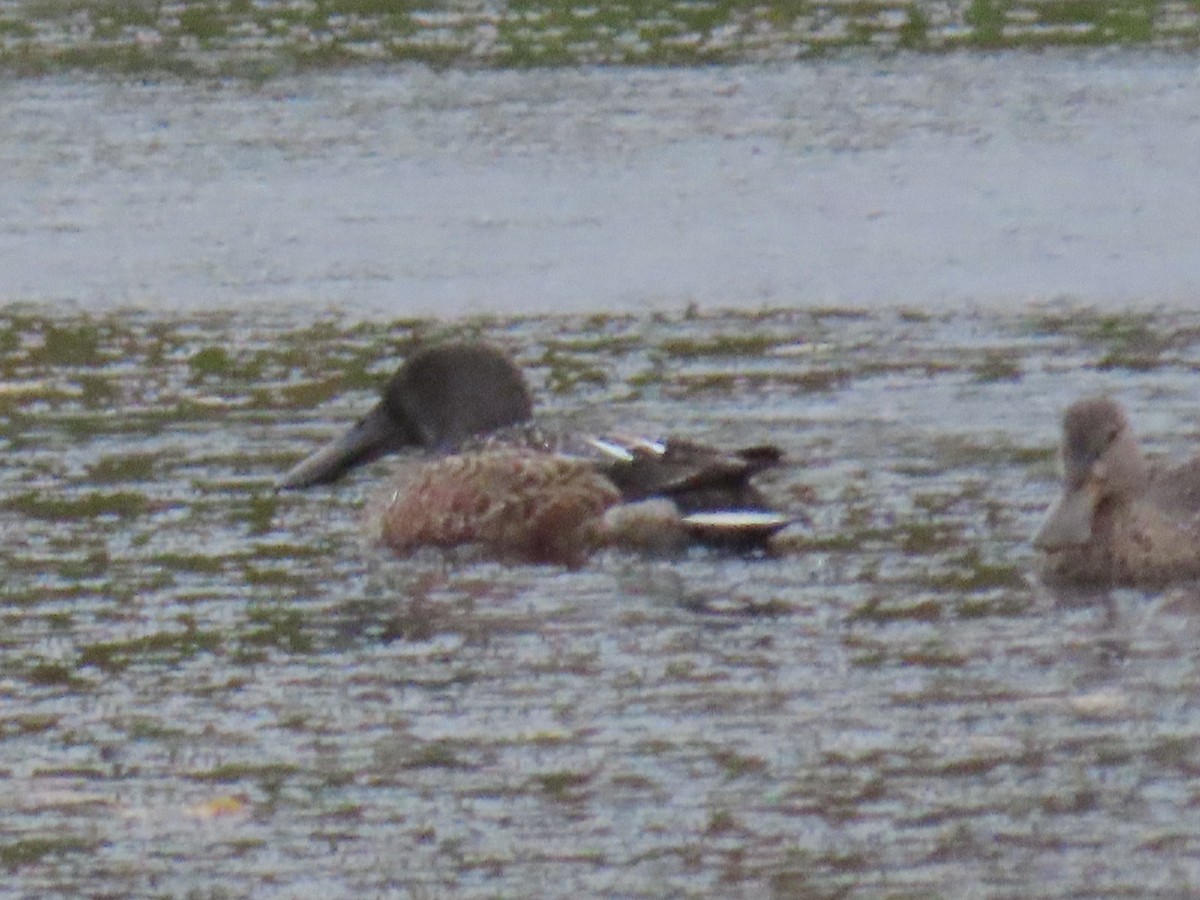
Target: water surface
point(901, 271)
point(211, 689)
point(939, 182)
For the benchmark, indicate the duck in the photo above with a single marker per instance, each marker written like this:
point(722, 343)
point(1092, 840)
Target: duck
point(1120, 520)
point(485, 474)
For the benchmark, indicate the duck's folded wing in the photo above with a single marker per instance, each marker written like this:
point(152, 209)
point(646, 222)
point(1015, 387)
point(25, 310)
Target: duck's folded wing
point(696, 476)
point(1176, 489)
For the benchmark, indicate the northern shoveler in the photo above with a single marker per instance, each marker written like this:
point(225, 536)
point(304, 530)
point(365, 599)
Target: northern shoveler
point(501, 483)
point(1120, 521)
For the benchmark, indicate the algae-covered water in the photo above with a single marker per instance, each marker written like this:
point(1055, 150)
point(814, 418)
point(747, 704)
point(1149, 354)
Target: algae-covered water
point(211, 689)
point(264, 38)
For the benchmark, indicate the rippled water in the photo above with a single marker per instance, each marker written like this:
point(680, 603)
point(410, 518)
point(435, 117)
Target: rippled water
point(943, 183)
point(214, 690)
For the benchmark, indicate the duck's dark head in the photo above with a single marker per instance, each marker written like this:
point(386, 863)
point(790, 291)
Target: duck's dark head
point(438, 398)
point(1101, 465)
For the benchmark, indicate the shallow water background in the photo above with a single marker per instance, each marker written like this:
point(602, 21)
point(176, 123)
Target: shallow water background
point(211, 688)
point(900, 270)
point(942, 182)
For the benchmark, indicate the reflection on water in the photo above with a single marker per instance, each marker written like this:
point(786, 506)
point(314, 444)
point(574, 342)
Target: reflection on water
point(214, 688)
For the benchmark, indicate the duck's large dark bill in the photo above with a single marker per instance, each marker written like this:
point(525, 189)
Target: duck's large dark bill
point(370, 439)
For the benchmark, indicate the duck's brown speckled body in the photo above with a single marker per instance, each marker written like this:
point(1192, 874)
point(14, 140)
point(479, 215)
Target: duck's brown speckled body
point(523, 504)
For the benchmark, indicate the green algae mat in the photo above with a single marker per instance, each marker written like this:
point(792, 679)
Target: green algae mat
point(266, 37)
